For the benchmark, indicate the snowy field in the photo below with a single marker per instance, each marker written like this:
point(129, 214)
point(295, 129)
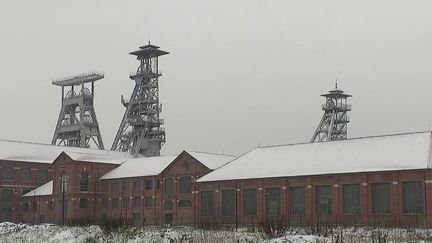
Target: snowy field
point(17, 233)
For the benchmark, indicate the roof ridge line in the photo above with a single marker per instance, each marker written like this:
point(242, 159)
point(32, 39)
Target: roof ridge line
point(355, 138)
point(193, 151)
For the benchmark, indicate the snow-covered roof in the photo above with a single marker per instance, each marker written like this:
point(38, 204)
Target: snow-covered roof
point(380, 153)
point(44, 153)
point(212, 161)
point(140, 166)
point(44, 190)
point(150, 166)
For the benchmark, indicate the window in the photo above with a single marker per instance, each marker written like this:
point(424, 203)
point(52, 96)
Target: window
point(6, 195)
point(104, 203)
point(148, 184)
point(185, 184)
point(228, 202)
point(114, 203)
point(249, 202)
point(381, 198)
point(168, 205)
point(5, 214)
point(41, 218)
point(84, 181)
point(7, 173)
point(137, 184)
point(115, 186)
point(148, 202)
point(272, 196)
point(50, 205)
point(42, 176)
point(136, 218)
point(323, 196)
point(103, 217)
point(157, 185)
point(412, 193)
point(104, 186)
point(169, 185)
point(297, 200)
point(137, 202)
point(25, 208)
point(351, 198)
point(83, 203)
point(126, 186)
point(126, 202)
point(25, 174)
point(207, 203)
point(184, 203)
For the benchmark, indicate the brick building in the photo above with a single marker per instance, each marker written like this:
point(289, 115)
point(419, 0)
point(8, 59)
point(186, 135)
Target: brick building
point(381, 180)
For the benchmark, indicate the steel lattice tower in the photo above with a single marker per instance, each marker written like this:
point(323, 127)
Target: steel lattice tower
point(140, 130)
point(77, 125)
point(333, 125)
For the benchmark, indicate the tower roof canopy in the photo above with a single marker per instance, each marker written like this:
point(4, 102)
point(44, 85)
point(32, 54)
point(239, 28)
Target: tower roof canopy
point(336, 93)
point(148, 51)
point(78, 79)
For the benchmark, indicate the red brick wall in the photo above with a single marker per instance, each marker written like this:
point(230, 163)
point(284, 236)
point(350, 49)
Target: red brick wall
point(395, 218)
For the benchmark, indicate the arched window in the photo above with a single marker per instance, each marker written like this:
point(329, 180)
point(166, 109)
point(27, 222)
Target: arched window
point(84, 181)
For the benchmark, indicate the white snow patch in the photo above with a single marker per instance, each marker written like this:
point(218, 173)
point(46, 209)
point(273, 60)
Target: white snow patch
point(45, 189)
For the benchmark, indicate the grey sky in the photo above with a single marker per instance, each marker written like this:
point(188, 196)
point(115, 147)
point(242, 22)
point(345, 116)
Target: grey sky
point(239, 73)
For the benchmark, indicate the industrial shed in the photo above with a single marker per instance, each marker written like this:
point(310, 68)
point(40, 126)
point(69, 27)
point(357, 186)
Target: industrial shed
point(375, 180)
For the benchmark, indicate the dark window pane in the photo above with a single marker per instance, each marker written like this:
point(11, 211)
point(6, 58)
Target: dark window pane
point(136, 218)
point(114, 203)
point(148, 184)
point(381, 198)
point(104, 186)
point(84, 181)
point(272, 196)
point(6, 195)
point(228, 202)
point(207, 203)
point(168, 205)
point(5, 214)
point(103, 217)
point(42, 176)
point(115, 186)
point(169, 185)
point(137, 185)
point(148, 202)
point(185, 184)
point(126, 185)
point(249, 202)
point(323, 202)
point(126, 202)
point(25, 174)
point(413, 199)
point(7, 173)
point(185, 203)
point(297, 200)
point(351, 198)
point(137, 202)
point(25, 207)
point(83, 203)
point(104, 203)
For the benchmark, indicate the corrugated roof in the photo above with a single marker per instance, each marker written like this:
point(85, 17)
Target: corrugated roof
point(45, 153)
point(380, 153)
point(44, 190)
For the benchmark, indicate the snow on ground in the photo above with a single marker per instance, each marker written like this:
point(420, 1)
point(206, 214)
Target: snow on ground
point(48, 233)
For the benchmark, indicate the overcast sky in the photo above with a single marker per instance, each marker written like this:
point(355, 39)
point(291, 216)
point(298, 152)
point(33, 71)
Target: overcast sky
point(240, 73)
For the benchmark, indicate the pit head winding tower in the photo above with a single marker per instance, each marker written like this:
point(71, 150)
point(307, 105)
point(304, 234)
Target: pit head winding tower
point(77, 125)
point(140, 130)
point(333, 124)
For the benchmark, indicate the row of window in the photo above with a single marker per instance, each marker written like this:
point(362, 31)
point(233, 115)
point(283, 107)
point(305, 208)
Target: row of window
point(25, 174)
point(148, 203)
point(412, 200)
point(185, 185)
